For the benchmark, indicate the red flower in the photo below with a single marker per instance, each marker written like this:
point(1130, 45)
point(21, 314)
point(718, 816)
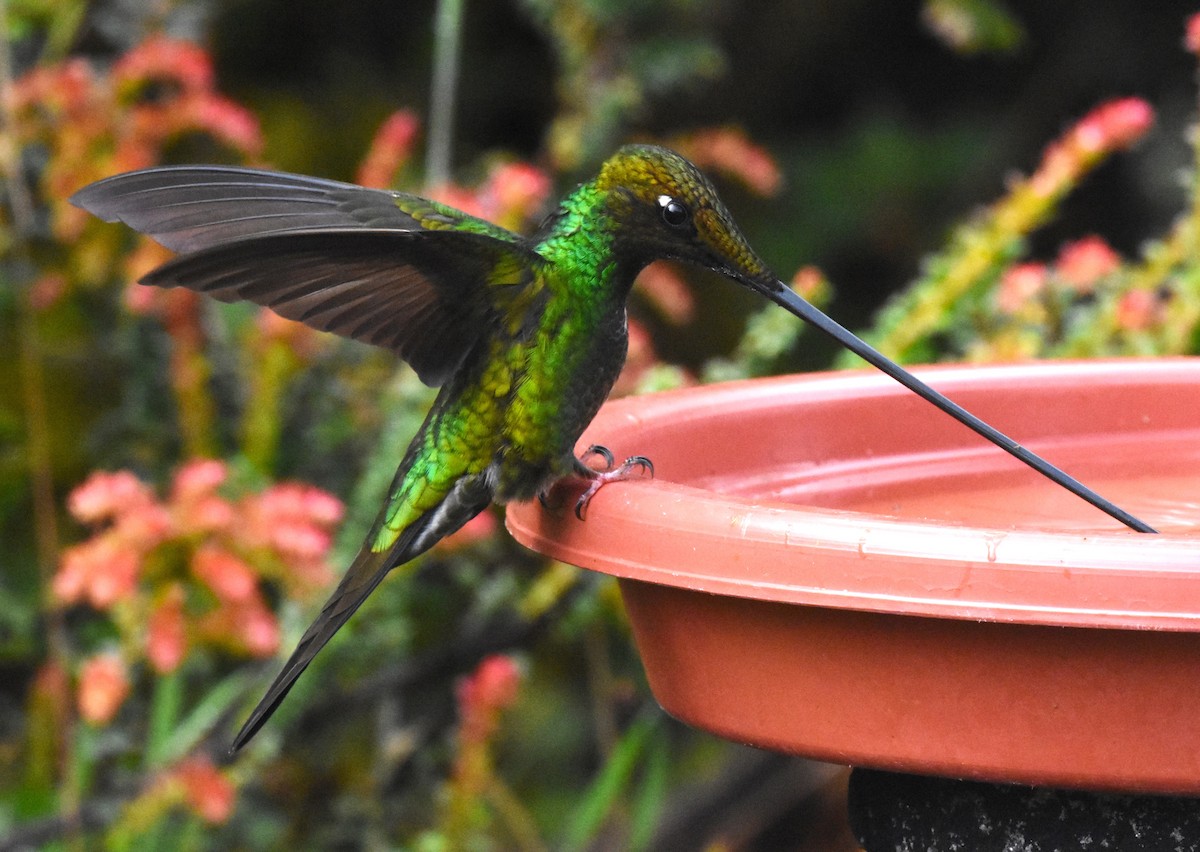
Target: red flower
point(1111, 126)
point(194, 500)
point(1192, 34)
point(1084, 262)
point(298, 502)
point(198, 479)
point(668, 291)
point(484, 694)
point(1116, 124)
point(247, 626)
point(257, 628)
point(230, 578)
point(103, 688)
point(232, 124)
point(162, 58)
point(731, 151)
point(209, 792)
point(102, 570)
point(1019, 284)
point(390, 149)
point(480, 527)
point(166, 634)
point(516, 191)
point(102, 495)
point(1137, 310)
point(810, 282)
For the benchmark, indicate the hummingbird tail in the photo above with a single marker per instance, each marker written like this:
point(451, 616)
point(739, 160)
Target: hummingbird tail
point(467, 498)
point(366, 572)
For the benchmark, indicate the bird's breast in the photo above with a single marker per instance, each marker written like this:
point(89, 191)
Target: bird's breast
point(557, 384)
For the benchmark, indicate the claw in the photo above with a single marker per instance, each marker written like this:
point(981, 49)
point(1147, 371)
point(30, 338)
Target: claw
point(642, 462)
point(604, 453)
point(601, 478)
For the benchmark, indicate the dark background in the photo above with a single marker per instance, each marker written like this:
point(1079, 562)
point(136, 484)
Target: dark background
point(886, 135)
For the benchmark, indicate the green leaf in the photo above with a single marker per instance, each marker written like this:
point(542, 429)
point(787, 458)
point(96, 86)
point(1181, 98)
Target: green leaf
point(652, 792)
point(185, 735)
point(164, 711)
point(604, 793)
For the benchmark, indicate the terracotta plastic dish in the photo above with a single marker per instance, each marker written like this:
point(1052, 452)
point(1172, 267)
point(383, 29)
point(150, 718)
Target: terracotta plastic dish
point(828, 566)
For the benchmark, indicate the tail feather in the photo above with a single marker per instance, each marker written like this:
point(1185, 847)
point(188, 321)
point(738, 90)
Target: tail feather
point(364, 575)
point(466, 499)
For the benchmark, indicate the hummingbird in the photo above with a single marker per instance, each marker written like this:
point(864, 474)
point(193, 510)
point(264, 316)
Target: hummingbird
point(524, 335)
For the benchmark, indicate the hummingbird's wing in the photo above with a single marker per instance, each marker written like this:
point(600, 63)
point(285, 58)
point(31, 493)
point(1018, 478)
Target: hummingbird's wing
point(386, 268)
point(428, 296)
point(187, 208)
point(469, 496)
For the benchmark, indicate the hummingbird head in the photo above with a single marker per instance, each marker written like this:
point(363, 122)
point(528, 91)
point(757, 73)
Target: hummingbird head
point(664, 208)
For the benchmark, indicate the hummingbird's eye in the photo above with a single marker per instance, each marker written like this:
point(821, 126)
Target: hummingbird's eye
point(674, 213)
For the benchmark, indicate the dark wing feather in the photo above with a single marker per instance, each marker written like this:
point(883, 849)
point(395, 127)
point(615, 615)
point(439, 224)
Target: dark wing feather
point(425, 295)
point(188, 208)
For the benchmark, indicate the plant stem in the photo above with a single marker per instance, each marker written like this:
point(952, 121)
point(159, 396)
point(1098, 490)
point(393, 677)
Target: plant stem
point(447, 39)
point(33, 384)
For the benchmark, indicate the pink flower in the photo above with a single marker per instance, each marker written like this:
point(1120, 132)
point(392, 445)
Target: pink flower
point(254, 627)
point(1019, 284)
point(247, 626)
point(195, 503)
point(198, 479)
point(230, 578)
point(1084, 262)
point(1192, 34)
point(810, 282)
point(668, 291)
point(1137, 310)
point(67, 87)
point(162, 58)
point(1113, 125)
point(232, 124)
point(731, 151)
point(166, 634)
point(102, 495)
point(300, 539)
point(212, 514)
point(144, 527)
point(102, 570)
point(296, 501)
point(390, 149)
point(209, 792)
point(480, 527)
point(292, 518)
point(516, 191)
point(103, 688)
point(484, 694)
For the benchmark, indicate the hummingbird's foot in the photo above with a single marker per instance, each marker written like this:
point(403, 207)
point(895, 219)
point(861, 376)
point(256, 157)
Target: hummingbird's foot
point(599, 478)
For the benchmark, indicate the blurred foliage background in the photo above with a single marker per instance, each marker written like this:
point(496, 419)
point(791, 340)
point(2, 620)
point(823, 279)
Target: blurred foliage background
point(180, 481)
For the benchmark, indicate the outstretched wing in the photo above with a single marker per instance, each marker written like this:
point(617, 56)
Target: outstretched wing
point(188, 208)
point(385, 268)
point(427, 296)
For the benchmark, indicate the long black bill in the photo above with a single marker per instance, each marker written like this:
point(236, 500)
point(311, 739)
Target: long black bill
point(785, 297)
